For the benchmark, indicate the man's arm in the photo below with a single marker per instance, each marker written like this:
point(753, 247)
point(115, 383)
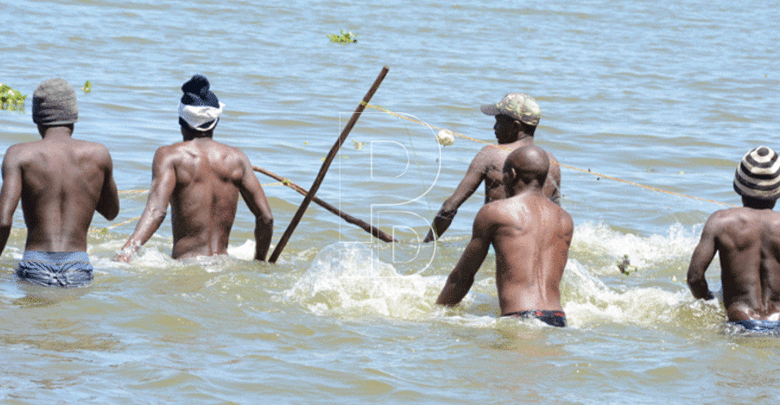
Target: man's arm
point(253, 195)
point(163, 183)
point(461, 279)
point(554, 176)
point(9, 195)
point(701, 259)
point(108, 204)
point(470, 183)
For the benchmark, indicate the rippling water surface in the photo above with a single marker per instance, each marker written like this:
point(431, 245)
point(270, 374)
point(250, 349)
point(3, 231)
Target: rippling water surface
point(634, 95)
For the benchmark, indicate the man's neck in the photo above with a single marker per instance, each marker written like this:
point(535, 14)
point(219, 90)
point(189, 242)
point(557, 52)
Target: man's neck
point(520, 137)
point(189, 135)
point(58, 132)
point(758, 204)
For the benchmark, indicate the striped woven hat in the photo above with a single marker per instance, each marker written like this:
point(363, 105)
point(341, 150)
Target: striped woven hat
point(758, 175)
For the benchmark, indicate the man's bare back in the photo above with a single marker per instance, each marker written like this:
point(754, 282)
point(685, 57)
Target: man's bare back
point(203, 206)
point(531, 236)
point(747, 239)
point(62, 182)
point(201, 179)
point(748, 243)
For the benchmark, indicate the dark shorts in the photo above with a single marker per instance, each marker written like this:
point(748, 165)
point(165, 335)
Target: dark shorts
point(756, 325)
point(554, 318)
point(62, 269)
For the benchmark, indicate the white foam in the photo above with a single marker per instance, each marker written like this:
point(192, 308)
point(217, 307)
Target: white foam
point(347, 279)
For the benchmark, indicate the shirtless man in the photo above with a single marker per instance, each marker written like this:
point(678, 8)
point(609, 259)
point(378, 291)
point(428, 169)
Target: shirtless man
point(201, 179)
point(531, 237)
point(748, 240)
point(62, 182)
point(517, 116)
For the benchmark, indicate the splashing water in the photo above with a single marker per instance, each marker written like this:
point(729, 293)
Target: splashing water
point(347, 279)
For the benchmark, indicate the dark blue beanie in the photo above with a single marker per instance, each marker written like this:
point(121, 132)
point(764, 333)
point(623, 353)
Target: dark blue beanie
point(197, 93)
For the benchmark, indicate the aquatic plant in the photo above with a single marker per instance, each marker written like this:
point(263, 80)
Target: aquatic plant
point(87, 87)
point(343, 38)
point(11, 99)
point(625, 266)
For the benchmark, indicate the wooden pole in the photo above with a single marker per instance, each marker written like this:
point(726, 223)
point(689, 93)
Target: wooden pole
point(324, 169)
point(376, 232)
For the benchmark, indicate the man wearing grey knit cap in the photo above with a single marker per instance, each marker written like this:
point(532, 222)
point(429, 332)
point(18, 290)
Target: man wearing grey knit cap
point(748, 242)
point(61, 182)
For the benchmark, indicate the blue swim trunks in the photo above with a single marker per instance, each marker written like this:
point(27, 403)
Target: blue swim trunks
point(62, 269)
point(761, 326)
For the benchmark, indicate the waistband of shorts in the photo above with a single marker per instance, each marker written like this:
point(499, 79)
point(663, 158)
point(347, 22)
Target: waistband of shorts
point(536, 313)
point(55, 257)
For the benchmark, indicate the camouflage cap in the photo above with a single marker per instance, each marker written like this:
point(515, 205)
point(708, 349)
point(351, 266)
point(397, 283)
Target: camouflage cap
point(519, 106)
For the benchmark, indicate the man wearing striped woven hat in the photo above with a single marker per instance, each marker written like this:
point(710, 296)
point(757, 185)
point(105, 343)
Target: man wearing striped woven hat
point(748, 242)
point(201, 179)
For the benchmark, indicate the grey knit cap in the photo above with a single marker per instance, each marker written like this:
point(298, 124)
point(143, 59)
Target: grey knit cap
point(54, 103)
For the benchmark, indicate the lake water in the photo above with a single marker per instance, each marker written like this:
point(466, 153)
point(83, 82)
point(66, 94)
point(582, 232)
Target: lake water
point(662, 94)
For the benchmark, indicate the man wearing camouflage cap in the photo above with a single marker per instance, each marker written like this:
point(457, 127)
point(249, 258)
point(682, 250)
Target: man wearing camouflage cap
point(748, 242)
point(517, 116)
point(61, 182)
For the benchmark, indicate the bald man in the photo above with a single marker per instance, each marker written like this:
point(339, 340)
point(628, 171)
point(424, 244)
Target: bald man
point(531, 236)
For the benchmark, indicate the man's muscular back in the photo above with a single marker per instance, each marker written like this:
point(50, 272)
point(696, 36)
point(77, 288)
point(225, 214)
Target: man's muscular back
point(748, 242)
point(531, 241)
point(205, 196)
point(64, 181)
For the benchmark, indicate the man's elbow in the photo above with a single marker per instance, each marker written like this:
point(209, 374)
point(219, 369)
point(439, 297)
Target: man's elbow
point(699, 288)
point(6, 223)
point(110, 213)
point(113, 213)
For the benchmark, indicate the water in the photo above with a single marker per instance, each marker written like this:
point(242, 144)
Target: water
point(661, 94)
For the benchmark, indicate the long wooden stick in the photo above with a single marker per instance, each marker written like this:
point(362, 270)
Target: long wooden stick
point(376, 232)
point(324, 169)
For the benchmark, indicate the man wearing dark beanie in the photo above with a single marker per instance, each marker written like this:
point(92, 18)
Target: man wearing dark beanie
point(748, 242)
point(61, 182)
point(201, 179)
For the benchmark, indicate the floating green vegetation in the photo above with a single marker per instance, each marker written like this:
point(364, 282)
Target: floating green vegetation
point(87, 87)
point(11, 99)
point(343, 38)
point(625, 266)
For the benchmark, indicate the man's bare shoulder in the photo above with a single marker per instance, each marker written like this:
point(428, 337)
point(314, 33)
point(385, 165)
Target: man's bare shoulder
point(489, 156)
point(505, 210)
point(178, 148)
point(741, 216)
point(95, 149)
